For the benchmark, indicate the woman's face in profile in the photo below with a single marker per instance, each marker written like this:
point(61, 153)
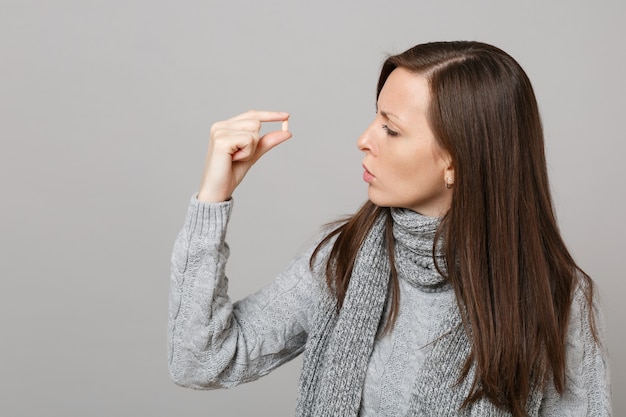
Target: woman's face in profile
point(404, 165)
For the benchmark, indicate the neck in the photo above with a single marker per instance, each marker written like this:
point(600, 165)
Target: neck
point(416, 261)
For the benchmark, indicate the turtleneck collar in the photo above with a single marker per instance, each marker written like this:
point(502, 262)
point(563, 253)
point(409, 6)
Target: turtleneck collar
point(414, 235)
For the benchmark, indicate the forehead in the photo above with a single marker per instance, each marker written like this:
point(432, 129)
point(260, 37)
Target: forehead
point(404, 93)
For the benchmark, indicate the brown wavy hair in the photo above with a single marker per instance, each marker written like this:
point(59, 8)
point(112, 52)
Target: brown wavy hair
point(504, 256)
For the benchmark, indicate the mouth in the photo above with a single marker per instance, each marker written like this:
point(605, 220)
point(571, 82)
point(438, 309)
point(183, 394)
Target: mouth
point(367, 175)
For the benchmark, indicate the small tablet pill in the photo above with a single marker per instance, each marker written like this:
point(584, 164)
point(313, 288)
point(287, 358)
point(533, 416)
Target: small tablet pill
point(285, 126)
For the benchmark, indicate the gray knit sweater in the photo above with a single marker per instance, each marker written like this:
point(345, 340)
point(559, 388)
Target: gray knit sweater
point(214, 343)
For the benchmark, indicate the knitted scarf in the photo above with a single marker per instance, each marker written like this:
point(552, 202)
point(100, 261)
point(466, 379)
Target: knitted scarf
point(339, 347)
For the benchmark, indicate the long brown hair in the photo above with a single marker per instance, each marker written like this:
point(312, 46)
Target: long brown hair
point(510, 269)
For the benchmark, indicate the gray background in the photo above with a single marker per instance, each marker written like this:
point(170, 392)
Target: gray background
point(104, 119)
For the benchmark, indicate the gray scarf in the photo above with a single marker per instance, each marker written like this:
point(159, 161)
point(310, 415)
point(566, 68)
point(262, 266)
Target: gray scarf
point(339, 347)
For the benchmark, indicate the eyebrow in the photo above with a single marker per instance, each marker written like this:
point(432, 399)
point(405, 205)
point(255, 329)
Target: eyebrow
point(387, 114)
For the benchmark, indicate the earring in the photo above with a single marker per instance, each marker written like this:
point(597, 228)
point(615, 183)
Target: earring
point(449, 183)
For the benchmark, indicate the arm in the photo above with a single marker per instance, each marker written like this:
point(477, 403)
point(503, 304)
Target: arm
point(214, 343)
point(587, 390)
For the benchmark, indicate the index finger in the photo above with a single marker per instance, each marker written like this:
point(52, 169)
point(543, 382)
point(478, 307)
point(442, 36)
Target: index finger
point(263, 116)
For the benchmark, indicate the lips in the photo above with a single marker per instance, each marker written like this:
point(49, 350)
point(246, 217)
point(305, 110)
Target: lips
point(367, 176)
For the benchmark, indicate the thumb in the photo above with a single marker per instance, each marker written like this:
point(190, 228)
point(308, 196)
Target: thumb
point(270, 140)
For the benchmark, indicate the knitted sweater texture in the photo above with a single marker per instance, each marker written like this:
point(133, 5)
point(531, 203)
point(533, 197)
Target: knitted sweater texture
point(214, 343)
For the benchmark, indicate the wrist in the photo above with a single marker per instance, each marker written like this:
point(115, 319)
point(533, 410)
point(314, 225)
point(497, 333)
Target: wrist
point(207, 196)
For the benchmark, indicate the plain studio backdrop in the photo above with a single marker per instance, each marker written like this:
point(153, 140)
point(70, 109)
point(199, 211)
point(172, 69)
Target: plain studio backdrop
point(105, 112)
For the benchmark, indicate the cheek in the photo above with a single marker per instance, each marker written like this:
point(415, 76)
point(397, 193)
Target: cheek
point(407, 172)
point(411, 163)
point(423, 169)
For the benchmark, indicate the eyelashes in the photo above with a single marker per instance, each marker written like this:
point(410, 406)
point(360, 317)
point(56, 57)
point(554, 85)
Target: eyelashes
point(389, 131)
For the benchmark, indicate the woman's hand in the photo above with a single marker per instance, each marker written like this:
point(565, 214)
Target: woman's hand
point(235, 145)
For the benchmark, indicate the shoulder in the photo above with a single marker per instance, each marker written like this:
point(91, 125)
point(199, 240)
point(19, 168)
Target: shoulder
point(305, 274)
point(585, 322)
point(585, 310)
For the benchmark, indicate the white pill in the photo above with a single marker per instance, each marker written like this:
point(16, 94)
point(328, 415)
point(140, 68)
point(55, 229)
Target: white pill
point(285, 126)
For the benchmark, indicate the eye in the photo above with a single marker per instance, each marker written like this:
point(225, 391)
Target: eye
point(389, 131)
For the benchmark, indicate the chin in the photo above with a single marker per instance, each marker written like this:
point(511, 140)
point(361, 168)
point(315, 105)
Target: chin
point(383, 202)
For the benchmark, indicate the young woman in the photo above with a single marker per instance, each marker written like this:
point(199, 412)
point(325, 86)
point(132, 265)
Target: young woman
point(450, 292)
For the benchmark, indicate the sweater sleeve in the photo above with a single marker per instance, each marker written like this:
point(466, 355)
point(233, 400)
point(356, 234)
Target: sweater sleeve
point(587, 385)
point(214, 343)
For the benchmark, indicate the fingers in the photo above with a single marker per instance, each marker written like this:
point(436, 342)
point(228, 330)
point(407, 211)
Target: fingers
point(240, 135)
point(270, 140)
point(239, 145)
point(235, 145)
point(262, 116)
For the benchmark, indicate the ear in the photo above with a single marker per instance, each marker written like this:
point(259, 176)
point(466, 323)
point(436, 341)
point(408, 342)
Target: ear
point(448, 173)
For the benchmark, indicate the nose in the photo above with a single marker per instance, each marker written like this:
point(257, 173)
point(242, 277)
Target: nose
point(365, 142)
